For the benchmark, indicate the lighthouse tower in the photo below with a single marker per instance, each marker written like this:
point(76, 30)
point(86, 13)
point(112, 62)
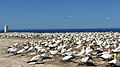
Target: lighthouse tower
point(5, 28)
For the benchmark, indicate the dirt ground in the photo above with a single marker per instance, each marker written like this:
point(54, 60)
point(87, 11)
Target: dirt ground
point(7, 60)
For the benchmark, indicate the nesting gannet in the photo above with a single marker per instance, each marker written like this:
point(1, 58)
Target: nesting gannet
point(53, 52)
point(12, 50)
point(45, 55)
point(88, 50)
point(59, 47)
point(116, 50)
point(30, 48)
point(85, 59)
point(114, 62)
point(62, 51)
point(107, 46)
point(106, 56)
point(66, 58)
point(68, 50)
point(82, 52)
point(52, 45)
point(15, 44)
point(42, 50)
point(20, 51)
point(99, 50)
point(78, 46)
point(34, 58)
point(26, 47)
point(38, 48)
point(68, 53)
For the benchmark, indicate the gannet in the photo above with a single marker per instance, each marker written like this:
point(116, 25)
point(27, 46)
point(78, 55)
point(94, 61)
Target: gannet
point(12, 50)
point(30, 48)
point(82, 52)
point(116, 50)
point(20, 51)
point(53, 52)
point(34, 58)
point(85, 59)
point(114, 62)
point(66, 58)
point(106, 56)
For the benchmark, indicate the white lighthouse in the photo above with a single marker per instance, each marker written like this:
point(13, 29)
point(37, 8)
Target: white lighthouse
point(5, 28)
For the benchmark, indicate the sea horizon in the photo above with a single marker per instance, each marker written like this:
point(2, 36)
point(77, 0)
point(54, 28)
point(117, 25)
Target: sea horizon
point(66, 30)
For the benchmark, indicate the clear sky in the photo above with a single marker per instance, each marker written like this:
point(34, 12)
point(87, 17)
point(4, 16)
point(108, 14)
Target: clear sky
point(59, 14)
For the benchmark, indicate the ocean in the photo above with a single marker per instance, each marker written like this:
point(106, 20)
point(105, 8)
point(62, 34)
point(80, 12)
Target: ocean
point(65, 30)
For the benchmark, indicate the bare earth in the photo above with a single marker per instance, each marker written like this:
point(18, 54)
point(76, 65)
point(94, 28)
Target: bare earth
point(7, 60)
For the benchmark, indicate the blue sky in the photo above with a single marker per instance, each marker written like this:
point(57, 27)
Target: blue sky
point(59, 14)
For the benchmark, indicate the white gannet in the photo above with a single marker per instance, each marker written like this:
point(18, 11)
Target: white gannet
point(78, 46)
point(68, 50)
point(15, 44)
point(34, 58)
point(59, 47)
point(26, 47)
point(106, 56)
point(62, 51)
point(68, 53)
point(45, 55)
point(20, 51)
point(82, 52)
point(52, 45)
point(85, 59)
point(12, 50)
point(114, 62)
point(88, 50)
point(116, 50)
point(66, 58)
point(30, 48)
point(53, 52)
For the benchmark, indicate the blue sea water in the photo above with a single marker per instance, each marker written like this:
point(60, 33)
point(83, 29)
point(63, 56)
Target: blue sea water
point(65, 30)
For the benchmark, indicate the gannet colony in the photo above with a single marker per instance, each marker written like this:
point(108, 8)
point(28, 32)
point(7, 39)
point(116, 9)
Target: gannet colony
point(81, 48)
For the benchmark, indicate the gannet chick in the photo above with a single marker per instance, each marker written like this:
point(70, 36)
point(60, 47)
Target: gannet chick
point(34, 59)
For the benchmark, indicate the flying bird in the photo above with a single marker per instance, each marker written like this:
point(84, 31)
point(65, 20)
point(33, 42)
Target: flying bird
point(70, 16)
point(107, 18)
